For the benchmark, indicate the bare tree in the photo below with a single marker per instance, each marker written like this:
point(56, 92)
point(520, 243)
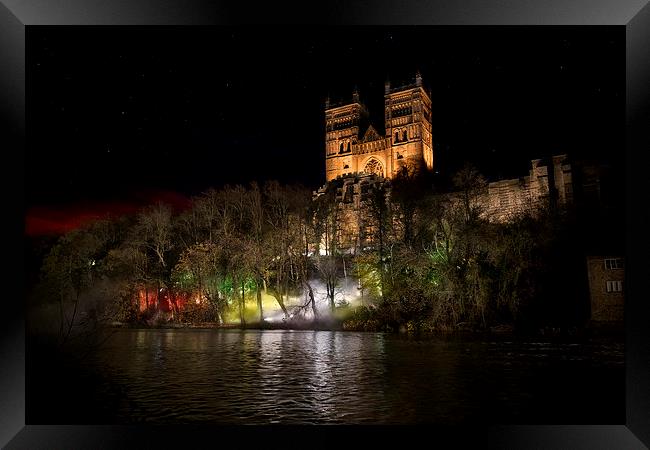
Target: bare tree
point(191, 225)
point(260, 260)
point(155, 231)
point(472, 185)
point(277, 206)
point(71, 268)
point(201, 268)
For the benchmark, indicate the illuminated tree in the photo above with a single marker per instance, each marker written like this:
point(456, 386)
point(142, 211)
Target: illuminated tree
point(128, 268)
point(308, 240)
point(260, 257)
point(277, 213)
point(379, 217)
point(202, 271)
point(326, 224)
point(154, 236)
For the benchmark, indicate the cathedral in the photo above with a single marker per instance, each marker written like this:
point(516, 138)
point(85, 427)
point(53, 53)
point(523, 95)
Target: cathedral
point(353, 145)
point(359, 160)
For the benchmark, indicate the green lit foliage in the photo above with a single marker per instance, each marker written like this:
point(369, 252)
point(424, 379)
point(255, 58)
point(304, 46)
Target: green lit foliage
point(441, 265)
point(362, 318)
point(366, 269)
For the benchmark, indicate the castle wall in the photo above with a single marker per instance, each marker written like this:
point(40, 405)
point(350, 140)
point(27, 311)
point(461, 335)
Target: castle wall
point(499, 201)
point(506, 199)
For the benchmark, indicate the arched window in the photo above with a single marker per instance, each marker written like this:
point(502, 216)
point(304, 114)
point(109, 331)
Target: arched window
point(348, 146)
point(373, 166)
point(404, 135)
point(397, 136)
point(341, 148)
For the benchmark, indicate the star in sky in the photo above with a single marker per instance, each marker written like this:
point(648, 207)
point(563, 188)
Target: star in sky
point(114, 101)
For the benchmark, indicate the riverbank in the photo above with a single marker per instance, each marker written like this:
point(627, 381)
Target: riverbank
point(321, 325)
point(614, 330)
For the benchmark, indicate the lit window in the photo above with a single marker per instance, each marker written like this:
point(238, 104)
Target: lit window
point(614, 286)
point(614, 263)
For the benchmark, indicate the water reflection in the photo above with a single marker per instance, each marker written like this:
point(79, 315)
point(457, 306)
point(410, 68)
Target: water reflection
point(323, 350)
point(304, 377)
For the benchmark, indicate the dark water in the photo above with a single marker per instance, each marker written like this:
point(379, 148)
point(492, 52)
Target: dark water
point(321, 377)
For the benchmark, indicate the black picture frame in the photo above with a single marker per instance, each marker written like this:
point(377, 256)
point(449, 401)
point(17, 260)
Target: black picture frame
point(16, 15)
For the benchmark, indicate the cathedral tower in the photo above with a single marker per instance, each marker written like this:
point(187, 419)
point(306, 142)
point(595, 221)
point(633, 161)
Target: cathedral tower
point(352, 145)
point(408, 127)
point(342, 126)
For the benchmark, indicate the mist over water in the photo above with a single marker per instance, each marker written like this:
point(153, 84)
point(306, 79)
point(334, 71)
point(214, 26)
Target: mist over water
point(346, 293)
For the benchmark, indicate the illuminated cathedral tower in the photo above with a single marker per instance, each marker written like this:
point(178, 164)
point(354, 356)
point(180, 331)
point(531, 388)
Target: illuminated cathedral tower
point(353, 145)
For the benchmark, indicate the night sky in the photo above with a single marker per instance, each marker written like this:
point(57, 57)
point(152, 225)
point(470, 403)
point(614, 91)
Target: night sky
point(120, 116)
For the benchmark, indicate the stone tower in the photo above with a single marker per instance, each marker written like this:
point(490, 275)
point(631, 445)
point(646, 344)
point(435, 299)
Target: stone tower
point(353, 145)
point(342, 127)
point(408, 127)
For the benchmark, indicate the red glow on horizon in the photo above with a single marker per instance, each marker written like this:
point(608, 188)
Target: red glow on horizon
point(55, 220)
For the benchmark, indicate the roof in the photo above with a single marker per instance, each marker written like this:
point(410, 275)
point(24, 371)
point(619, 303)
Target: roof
point(371, 135)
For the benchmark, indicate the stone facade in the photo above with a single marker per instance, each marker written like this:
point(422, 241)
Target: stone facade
point(507, 199)
point(354, 148)
point(353, 145)
point(358, 159)
point(500, 201)
point(606, 287)
point(354, 224)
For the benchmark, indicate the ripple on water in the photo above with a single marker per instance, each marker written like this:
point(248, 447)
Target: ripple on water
point(217, 376)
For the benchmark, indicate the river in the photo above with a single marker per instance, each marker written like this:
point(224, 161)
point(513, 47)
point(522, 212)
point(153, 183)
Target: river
point(323, 377)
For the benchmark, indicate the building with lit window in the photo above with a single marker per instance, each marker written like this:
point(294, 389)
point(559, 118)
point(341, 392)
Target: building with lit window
point(606, 287)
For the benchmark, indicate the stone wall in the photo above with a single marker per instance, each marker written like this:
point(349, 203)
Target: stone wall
point(500, 201)
point(507, 199)
point(355, 228)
